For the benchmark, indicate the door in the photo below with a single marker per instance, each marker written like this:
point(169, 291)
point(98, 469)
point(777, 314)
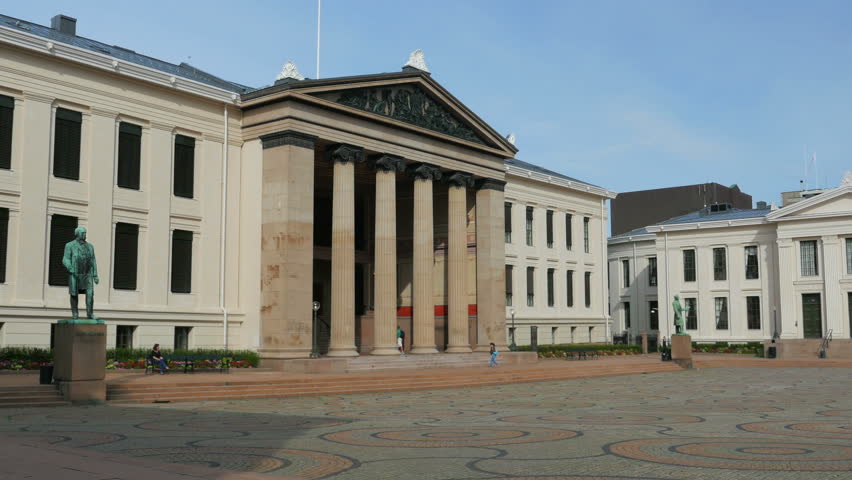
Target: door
point(812, 315)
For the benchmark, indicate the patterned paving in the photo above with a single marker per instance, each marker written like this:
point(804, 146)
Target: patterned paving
point(725, 423)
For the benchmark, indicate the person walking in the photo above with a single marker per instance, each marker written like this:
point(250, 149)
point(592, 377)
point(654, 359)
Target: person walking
point(494, 353)
point(400, 340)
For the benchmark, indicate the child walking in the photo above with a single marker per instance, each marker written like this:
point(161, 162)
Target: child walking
point(494, 353)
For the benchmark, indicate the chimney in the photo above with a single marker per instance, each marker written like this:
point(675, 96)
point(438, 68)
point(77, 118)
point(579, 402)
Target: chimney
point(64, 24)
point(761, 205)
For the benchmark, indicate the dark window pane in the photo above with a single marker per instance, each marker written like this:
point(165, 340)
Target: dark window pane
point(4, 239)
point(182, 338)
point(753, 312)
point(569, 287)
point(509, 281)
point(129, 155)
point(507, 221)
point(720, 271)
point(721, 304)
point(7, 115)
point(654, 315)
point(550, 293)
point(126, 255)
point(549, 217)
point(569, 242)
point(691, 314)
point(810, 267)
point(588, 285)
point(66, 144)
point(586, 246)
point(689, 265)
point(61, 232)
point(124, 336)
point(530, 286)
point(181, 261)
point(652, 271)
point(626, 308)
point(752, 267)
point(529, 226)
point(625, 271)
point(184, 166)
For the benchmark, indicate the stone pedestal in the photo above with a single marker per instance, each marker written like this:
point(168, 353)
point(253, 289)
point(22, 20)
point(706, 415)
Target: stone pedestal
point(79, 359)
point(682, 350)
point(644, 342)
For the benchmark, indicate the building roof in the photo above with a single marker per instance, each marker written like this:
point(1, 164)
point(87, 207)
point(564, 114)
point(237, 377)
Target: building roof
point(632, 233)
point(704, 215)
point(535, 168)
point(181, 70)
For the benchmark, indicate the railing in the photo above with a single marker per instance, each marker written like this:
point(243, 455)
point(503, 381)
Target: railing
point(823, 346)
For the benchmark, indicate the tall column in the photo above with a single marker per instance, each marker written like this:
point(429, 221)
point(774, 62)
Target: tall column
point(789, 321)
point(835, 300)
point(286, 247)
point(424, 258)
point(385, 291)
point(458, 341)
point(490, 265)
point(343, 251)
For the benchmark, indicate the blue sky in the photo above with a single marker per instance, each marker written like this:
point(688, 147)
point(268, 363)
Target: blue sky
point(628, 95)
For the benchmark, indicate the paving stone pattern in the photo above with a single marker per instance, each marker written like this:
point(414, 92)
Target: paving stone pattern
point(731, 423)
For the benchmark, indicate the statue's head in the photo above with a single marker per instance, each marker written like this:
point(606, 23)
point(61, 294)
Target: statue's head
point(677, 297)
point(80, 233)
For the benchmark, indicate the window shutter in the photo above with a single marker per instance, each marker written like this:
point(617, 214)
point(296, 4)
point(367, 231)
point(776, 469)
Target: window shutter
point(7, 110)
point(61, 232)
point(66, 144)
point(126, 256)
point(4, 237)
point(184, 166)
point(129, 155)
point(181, 261)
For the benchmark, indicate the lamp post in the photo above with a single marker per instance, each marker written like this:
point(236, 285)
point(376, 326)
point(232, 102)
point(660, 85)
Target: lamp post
point(315, 342)
point(512, 346)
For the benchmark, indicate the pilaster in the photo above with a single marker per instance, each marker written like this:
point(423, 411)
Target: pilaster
point(490, 261)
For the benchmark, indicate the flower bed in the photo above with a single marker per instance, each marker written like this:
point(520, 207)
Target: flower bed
point(562, 351)
point(25, 358)
point(751, 348)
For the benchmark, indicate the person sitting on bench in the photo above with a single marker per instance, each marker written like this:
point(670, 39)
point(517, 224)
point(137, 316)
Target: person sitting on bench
point(157, 358)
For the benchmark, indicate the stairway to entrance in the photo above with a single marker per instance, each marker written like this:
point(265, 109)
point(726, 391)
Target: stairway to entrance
point(31, 396)
point(371, 363)
point(808, 349)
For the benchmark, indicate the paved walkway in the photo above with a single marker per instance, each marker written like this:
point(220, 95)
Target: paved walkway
point(727, 423)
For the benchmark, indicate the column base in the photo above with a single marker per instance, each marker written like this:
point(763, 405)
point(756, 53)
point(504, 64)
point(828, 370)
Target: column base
point(343, 352)
point(84, 392)
point(385, 350)
point(458, 349)
point(482, 348)
point(422, 350)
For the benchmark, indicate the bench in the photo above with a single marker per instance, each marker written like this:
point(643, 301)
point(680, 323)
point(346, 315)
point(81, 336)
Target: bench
point(189, 362)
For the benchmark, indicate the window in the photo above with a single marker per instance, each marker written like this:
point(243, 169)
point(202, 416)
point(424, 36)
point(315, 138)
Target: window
point(586, 234)
point(550, 294)
point(529, 226)
point(61, 232)
point(752, 269)
point(720, 271)
point(530, 286)
point(569, 287)
point(507, 221)
point(550, 229)
point(652, 271)
point(4, 241)
point(129, 155)
point(588, 285)
point(654, 315)
point(509, 270)
point(625, 272)
point(66, 144)
point(126, 253)
point(184, 166)
point(181, 261)
point(569, 235)
point(753, 312)
point(124, 336)
point(849, 300)
point(692, 313)
point(849, 256)
point(7, 115)
point(809, 258)
point(626, 308)
point(182, 338)
point(689, 265)
point(721, 313)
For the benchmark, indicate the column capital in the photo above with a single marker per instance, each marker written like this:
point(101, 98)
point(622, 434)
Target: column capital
point(424, 171)
point(288, 137)
point(344, 153)
point(387, 163)
point(490, 184)
point(460, 179)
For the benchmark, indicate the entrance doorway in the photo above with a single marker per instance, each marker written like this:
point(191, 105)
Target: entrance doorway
point(653, 315)
point(812, 315)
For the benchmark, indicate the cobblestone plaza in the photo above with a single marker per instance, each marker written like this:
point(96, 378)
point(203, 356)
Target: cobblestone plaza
point(732, 423)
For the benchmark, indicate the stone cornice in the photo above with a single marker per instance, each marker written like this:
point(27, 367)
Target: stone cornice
point(460, 179)
point(387, 163)
point(424, 171)
point(288, 137)
point(490, 184)
point(344, 153)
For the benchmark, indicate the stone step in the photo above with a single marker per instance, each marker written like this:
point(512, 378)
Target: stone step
point(30, 396)
point(57, 403)
point(27, 398)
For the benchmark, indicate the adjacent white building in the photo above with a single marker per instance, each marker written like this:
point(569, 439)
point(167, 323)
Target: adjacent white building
point(747, 275)
point(555, 256)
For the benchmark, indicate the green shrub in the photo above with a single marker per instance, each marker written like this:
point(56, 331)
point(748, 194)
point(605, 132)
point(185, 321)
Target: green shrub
point(27, 358)
point(560, 350)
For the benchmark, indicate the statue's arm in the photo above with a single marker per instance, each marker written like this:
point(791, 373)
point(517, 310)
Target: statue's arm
point(66, 258)
point(94, 265)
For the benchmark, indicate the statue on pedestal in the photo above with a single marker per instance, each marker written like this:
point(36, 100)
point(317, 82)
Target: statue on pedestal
point(79, 260)
point(679, 312)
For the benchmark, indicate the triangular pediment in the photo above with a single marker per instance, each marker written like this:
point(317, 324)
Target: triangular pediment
point(418, 101)
point(836, 202)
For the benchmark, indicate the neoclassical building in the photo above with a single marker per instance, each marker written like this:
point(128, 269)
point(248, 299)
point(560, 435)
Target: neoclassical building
point(219, 213)
point(747, 275)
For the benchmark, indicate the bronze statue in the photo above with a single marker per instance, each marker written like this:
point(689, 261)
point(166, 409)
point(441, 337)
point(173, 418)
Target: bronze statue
point(79, 260)
point(678, 314)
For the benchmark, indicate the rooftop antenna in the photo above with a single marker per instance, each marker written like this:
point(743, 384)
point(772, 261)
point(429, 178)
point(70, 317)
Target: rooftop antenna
point(319, 11)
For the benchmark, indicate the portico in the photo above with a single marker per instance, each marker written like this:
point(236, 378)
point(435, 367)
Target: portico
point(382, 198)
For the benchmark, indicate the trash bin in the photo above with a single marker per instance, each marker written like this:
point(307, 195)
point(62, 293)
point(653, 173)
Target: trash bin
point(45, 374)
point(534, 338)
point(770, 352)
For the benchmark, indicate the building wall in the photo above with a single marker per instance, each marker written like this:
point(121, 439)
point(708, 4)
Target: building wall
point(558, 323)
point(638, 292)
point(41, 84)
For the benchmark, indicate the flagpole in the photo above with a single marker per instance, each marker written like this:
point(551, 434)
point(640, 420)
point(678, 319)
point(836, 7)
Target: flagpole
point(319, 10)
